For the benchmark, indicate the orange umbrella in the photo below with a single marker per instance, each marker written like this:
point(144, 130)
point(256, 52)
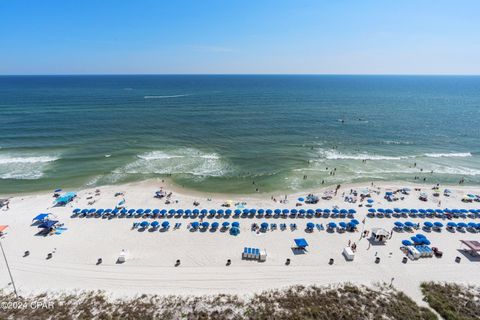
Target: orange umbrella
point(3, 227)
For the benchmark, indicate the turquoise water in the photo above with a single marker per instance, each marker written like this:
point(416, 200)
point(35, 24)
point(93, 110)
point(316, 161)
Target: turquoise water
point(222, 133)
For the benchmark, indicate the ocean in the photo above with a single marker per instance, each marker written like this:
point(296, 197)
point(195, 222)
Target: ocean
point(237, 133)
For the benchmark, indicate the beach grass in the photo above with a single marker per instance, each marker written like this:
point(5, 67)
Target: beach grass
point(331, 302)
point(453, 301)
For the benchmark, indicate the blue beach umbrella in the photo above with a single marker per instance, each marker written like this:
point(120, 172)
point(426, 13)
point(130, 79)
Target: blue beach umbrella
point(355, 221)
point(310, 225)
point(123, 211)
point(220, 211)
point(165, 224)
point(100, 211)
point(439, 211)
point(188, 212)
point(371, 210)
point(269, 211)
point(422, 211)
point(204, 211)
point(264, 225)
point(236, 224)
point(332, 225)
point(462, 225)
point(381, 210)
point(108, 210)
point(352, 211)
point(415, 239)
point(420, 236)
point(196, 211)
point(212, 211)
point(261, 211)
point(318, 210)
point(407, 243)
point(342, 224)
point(179, 211)
point(397, 210)
point(294, 211)
point(301, 199)
point(253, 211)
point(84, 211)
point(155, 211)
point(344, 211)
point(413, 211)
point(389, 211)
point(336, 211)
point(425, 241)
point(438, 224)
point(205, 224)
point(155, 224)
point(234, 231)
point(302, 211)
point(245, 211)
point(327, 211)
point(238, 211)
point(195, 225)
point(370, 201)
point(430, 211)
point(139, 211)
point(228, 211)
point(472, 225)
point(428, 224)
point(77, 210)
point(451, 224)
point(285, 211)
point(226, 224)
point(398, 224)
point(310, 211)
point(163, 212)
point(171, 211)
point(405, 210)
point(215, 225)
point(144, 224)
point(409, 224)
point(278, 211)
point(147, 211)
point(92, 210)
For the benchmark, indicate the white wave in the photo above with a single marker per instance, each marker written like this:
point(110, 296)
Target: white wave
point(335, 155)
point(166, 97)
point(397, 142)
point(449, 155)
point(41, 159)
point(181, 161)
point(24, 167)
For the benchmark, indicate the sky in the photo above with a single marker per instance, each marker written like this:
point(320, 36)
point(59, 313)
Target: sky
point(239, 36)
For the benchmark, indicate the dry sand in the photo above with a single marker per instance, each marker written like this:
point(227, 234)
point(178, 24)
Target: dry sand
point(152, 255)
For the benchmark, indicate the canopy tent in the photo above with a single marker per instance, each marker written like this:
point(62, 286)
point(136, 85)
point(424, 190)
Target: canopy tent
point(40, 217)
point(473, 246)
point(301, 243)
point(48, 224)
point(379, 234)
point(66, 198)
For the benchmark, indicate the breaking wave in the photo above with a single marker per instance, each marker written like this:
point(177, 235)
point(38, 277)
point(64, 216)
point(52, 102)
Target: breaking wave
point(26, 167)
point(181, 161)
point(166, 97)
point(335, 155)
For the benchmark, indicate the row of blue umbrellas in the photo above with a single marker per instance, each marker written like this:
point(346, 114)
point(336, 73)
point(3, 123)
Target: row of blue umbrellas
point(212, 211)
point(418, 239)
point(424, 211)
point(344, 225)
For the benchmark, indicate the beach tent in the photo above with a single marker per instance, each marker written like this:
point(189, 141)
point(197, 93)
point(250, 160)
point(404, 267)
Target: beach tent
point(40, 217)
point(66, 198)
point(473, 246)
point(48, 224)
point(379, 234)
point(301, 243)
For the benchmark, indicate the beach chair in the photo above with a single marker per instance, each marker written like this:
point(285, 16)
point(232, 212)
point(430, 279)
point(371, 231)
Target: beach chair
point(249, 253)
point(273, 226)
point(245, 253)
point(257, 254)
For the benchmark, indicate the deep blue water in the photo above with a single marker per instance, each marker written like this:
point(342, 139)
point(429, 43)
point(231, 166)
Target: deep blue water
point(221, 133)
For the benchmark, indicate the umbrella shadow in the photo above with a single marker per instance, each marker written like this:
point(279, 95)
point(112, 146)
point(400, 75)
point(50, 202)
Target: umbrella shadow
point(298, 251)
point(469, 256)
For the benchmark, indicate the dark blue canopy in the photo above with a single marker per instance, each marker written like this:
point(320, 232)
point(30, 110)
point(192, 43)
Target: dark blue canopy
point(155, 224)
point(310, 211)
point(264, 225)
point(253, 211)
point(144, 224)
point(269, 211)
point(310, 225)
point(228, 211)
point(409, 224)
point(370, 201)
point(165, 224)
point(77, 210)
point(438, 224)
point(398, 224)
point(238, 211)
point(179, 211)
point(342, 224)
point(205, 224)
point(236, 224)
point(212, 211)
point(278, 211)
point(354, 221)
point(462, 225)
point(220, 211)
point(225, 224)
point(302, 211)
point(294, 211)
point(285, 211)
point(40, 217)
point(301, 242)
point(389, 211)
point(48, 224)
point(406, 242)
point(451, 224)
point(204, 211)
point(344, 211)
point(234, 231)
point(332, 225)
point(215, 225)
point(196, 211)
point(139, 211)
point(156, 211)
point(352, 211)
point(195, 224)
point(371, 210)
point(428, 224)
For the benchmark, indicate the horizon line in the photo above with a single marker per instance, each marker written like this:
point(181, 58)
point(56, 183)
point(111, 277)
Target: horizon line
point(241, 74)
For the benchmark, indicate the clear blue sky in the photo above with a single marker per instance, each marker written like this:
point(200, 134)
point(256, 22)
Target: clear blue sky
point(258, 36)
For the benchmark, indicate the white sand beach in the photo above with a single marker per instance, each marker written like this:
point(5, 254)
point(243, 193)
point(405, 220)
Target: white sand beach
point(150, 265)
